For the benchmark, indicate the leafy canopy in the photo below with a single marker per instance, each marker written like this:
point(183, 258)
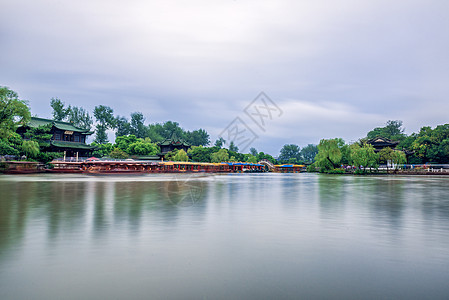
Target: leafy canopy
point(329, 154)
point(290, 154)
point(13, 112)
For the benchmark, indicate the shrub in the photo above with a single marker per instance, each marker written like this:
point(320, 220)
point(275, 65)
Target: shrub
point(311, 168)
point(118, 153)
point(336, 171)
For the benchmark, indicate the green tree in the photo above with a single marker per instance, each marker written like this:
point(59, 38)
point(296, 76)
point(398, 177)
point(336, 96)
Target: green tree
point(60, 112)
point(250, 158)
point(11, 145)
point(142, 147)
point(329, 155)
point(30, 148)
point(122, 126)
point(202, 154)
point(13, 112)
point(198, 137)
point(220, 142)
point(79, 117)
point(423, 144)
point(170, 156)
point(386, 156)
point(101, 136)
point(309, 152)
point(290, 154)
point(345, 155)
point(181, 155)
point(233, 147)
point(398, 158)
point(106, 120)
point(171, 127)
point(123, 142)
point(156, 132)
point(364, 156)
point(261, 155)
point(118, 154)
point(41, 135)
point(137, 126)
point(392, 130)
point(253, 151)
point(102, 150)
point(220, 156)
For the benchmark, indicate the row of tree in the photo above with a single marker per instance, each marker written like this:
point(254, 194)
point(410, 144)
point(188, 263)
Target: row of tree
point(133, 137)
point(105, 120)
point(334, 154)
point(426, 146)
point(13, 113)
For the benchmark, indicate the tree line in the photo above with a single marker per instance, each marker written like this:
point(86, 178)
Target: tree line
point(134, 137)
point(135, 125)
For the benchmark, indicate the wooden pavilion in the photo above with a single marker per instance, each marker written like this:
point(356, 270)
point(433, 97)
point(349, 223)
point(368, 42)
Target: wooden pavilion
point(65, 136)
point(380, 143)
point(174, 142)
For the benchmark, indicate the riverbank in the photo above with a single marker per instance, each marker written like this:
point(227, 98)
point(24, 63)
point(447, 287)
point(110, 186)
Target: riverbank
point(138, 167)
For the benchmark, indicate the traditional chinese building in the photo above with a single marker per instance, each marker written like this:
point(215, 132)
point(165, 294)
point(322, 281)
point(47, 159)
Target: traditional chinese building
point(65, 136)
point(174, 142)
point(379, 143)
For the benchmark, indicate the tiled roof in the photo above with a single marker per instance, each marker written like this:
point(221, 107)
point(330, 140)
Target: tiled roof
point(174, 140)
point(63, 144)
point(381, 141)
point(36, 122)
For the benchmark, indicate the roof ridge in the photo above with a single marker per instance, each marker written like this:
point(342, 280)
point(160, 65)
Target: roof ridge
point(60, 122)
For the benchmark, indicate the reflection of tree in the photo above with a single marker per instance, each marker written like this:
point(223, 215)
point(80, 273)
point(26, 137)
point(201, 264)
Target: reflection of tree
point(434, 201)
point(183, 192)
point(386, 199)
point(59, 204)
point(14, 210)
point(131, 200)
point(65, 205)
point(61, 207)
point(100, 218)
point(331, 190)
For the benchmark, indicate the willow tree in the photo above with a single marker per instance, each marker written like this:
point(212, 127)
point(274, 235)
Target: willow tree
point(31, 148)
point(329, 155)
point(364, 156)
point(386, 156)
point(398, 158)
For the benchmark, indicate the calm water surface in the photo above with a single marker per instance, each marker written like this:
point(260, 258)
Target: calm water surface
point(238, 236)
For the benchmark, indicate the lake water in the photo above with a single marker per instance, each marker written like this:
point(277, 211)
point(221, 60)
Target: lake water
point(234, 236)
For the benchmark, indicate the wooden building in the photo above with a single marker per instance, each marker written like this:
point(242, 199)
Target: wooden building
point(174, 142)
point(65, 136)
point(379, 143)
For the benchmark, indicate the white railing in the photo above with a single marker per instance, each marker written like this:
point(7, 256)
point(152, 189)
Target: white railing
point(266, 162)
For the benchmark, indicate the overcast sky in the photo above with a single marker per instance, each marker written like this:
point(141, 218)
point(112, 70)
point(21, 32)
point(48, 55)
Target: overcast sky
point(334, 68)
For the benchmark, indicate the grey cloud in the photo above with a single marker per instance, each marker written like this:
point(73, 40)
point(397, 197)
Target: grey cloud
point(200, 62)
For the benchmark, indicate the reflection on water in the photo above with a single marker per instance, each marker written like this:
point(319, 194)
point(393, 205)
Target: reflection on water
point(224, 236)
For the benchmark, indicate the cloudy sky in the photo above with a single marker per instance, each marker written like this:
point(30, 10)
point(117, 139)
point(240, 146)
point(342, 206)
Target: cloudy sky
point(335, 68)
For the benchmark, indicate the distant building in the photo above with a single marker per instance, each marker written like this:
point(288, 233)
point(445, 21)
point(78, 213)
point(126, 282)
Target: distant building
point(379, 143)
point(174, 142)
point(65, 137)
